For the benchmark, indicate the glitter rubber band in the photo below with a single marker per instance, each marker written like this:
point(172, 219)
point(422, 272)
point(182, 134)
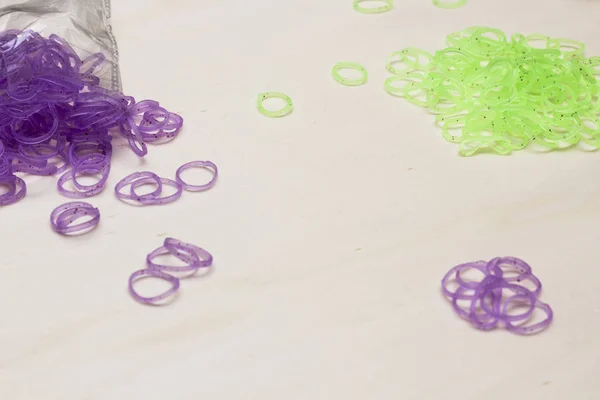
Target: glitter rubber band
point(448, 4)
point(277, 113)
point(358, 6)
point(347, 81)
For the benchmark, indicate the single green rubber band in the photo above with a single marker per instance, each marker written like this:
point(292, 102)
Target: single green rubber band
point(346, 81)
point(277, 113)
point(389, 4)
point(447, 4)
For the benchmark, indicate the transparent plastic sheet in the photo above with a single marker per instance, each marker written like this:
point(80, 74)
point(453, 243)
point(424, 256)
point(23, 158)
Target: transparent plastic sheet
point(84, 24)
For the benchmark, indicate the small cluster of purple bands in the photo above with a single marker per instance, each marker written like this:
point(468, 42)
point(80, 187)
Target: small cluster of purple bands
point(193, 256)
point(138, 179)
point(64, 217)
point(487, 303)
point(56, 119)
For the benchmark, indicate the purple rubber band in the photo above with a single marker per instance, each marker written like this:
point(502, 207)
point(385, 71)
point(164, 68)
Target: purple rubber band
point(129, 179)
point(197, 164)
point(63, 217)
point(155, 273)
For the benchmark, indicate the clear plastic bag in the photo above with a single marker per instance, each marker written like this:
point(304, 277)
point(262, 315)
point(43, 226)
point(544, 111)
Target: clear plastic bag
point(84, 24)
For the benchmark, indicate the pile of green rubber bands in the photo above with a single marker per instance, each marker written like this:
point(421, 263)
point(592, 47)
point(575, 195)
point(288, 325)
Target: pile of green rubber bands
point(493, 94)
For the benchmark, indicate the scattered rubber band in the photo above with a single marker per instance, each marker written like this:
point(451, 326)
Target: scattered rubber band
point(277, 113)
point(194, 257)
point(198, 164)
point(387, 6)
point(449, 4)
point(347, 81)
point(63, 217)
point(155, 273)
point(486, 303)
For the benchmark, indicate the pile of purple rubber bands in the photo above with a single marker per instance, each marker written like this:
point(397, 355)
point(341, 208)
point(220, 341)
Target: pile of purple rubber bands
point(507, 285)
point(56, 119)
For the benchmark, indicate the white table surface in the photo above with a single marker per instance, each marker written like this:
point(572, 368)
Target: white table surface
point(331, 228)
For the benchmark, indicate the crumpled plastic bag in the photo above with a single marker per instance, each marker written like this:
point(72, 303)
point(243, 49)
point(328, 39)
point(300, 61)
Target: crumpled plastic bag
point(84, 24)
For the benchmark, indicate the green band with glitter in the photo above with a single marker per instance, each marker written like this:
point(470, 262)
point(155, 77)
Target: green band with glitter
point(449, 4)
point(346, 81)
point(389, 4)
point(277, 113)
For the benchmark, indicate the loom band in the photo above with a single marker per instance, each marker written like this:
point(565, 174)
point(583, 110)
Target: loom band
point(192, 263)
point(592, 141)
point(48, 170)
point(481, 267)
point(386, 6)
point(471, 145)
point(535, 328)
point(335, 73)
point(136, 142)
point(17, 195)
point(391, 83)
point(484, 322)
point(501, 308)
point(154, 120)
point(498, 95)
point(209, 165)
point(451, 275)
point(4, 167)
point(449, 4)
point(416, 94)
point(80, 194)
point(540, 140)
point(442, 107)
point(176, 247)
point(91, 62)
point(453, 124)
point(566, 46)
point(66, 218)
point(87, 167)
point(490, 46)
point(63, 217)
point(32, 151)
point(37, 139)
point(411, 57)
point(63, 44)
point(154, 273)
point(9, 182)
point(79, 149)
point(129, 179)
point(562, 93)
point(143, 106)
point(493, 267)
point(560, 132)
point(277, 113)
point(148, 199)
point(589, 124)
point(15, 156)
point(452, 56)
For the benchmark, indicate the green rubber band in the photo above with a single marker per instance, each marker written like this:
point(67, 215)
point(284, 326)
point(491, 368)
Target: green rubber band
point(448, 4)
point(499, 94)
point(389, 4)
point(346, 81)
point(409, 56)
point(277, 113)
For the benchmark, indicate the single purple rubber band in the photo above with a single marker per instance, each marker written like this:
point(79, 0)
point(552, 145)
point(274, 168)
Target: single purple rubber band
point(63, 216)
point(156, 274)
point(198, 164)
